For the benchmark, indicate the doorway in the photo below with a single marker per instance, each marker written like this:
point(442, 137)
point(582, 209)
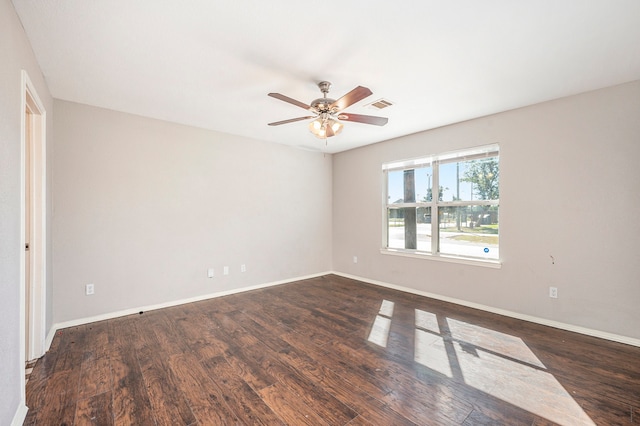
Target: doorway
point(33, 222)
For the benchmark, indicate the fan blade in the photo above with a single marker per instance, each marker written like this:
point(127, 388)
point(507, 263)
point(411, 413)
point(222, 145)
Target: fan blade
point(357, 94)
point(367, 119)
point(290, 100)
point(291, 120)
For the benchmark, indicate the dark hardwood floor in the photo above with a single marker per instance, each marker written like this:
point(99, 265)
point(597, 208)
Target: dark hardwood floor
point(330, 351)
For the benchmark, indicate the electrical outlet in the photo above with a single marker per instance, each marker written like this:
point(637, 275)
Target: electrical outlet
point(355, 259)
point(210, 273)
point(553, 292)
point(89, 289)
point(243, 268)
point(225, 271)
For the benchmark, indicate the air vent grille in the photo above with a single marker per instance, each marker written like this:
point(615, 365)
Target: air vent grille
point(380, 104)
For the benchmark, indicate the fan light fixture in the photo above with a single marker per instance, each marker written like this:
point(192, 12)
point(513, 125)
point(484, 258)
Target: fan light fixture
point(327, 112)
point(320, 125)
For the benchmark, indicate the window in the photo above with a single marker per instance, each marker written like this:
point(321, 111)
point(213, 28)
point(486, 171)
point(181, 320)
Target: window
point(444, 205)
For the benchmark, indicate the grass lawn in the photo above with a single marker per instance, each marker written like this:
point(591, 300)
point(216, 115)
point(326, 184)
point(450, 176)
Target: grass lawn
point(487, 239)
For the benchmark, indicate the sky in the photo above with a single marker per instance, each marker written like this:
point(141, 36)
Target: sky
point(423, 179)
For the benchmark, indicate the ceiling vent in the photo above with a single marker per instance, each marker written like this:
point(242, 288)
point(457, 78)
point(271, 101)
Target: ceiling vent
point(380, 104)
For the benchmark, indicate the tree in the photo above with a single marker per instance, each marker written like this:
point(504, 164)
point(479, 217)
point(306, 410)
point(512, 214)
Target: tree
point(485, 177)
point(429, 197)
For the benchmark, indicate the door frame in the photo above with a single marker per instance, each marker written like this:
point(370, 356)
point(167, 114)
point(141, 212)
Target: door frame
point(36, 137)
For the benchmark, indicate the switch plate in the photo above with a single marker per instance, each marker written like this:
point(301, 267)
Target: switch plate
point(355, 259)
point(243, 268)
point(210, 272)
point(89, 289)
point(226, 270)
point(553, 292)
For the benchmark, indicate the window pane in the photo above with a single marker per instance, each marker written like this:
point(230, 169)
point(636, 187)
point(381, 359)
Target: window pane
point(469, 231)
point(423, 179)
point(424, 228)
point(416, 235)
point(418, 181)
point(395, 228)
point(395, 187)
point(470, 180)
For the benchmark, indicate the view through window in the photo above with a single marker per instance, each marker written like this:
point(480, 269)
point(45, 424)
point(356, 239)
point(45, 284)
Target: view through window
point(444, 204)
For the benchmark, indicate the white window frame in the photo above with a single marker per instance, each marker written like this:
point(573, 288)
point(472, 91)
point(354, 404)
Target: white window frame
point(434, 161)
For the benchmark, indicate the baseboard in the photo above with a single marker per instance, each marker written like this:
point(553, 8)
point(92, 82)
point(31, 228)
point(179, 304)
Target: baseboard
point(21, 414)
point(543, 321)
point(131, 311)
point(49, 339)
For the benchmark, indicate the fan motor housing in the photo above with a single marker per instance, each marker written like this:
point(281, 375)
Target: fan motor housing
point(322, 104)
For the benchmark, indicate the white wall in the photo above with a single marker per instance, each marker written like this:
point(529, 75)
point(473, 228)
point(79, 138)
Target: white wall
point(569, 189)
point(144, 207)
point(15, 55)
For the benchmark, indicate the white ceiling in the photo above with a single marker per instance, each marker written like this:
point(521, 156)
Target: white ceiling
point(211, 63)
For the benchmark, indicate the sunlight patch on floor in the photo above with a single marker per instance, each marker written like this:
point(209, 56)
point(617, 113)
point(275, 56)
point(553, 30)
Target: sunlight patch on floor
point(491, 340)
point(431, 352)
point(427, 321)
point(379, 333)
point(496, 363)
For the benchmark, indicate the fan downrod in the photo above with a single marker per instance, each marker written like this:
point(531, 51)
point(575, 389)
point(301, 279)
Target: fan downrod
point(322, 104)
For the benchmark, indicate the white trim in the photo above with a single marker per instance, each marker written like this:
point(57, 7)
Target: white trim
point(29, 99)
point(486, 263)
point(555, 324)
point(472, 153)
point(20, 415)
point(50, 336)
point(550, 323)
point(131, 311)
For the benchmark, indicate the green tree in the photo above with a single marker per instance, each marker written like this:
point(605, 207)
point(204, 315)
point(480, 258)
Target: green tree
point(427, 198)
point(485, 177)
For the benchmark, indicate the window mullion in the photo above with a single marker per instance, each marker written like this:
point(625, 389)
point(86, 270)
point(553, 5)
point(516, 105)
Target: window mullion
point(435, 219)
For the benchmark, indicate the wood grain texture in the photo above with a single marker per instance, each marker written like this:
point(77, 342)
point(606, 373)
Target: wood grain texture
point(316, 352)
point(96, 410)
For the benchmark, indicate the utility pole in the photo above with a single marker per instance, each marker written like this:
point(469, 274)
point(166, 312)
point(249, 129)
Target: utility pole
point(410, 225)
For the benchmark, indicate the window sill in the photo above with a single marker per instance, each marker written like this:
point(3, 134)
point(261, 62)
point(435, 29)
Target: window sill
point(485, 263)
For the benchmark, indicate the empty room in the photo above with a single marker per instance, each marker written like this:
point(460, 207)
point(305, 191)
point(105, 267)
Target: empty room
point(335, 213)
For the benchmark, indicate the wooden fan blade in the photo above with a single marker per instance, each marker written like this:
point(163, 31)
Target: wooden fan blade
point(291, 120)
point(290, 100)
point(357, 94)
point(367, 119)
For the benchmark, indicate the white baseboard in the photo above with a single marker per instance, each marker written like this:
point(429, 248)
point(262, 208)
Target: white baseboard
point(21, 414)
point(50, 336)
point(555, 324)
point(563, 326)
point(131, 311)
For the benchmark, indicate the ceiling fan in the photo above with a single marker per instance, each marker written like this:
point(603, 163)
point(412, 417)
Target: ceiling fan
point(327, 112)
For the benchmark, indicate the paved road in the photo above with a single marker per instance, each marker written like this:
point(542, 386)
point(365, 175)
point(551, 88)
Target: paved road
point(447, 245)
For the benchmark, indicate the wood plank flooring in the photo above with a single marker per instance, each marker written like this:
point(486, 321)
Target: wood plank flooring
point(330, 351)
